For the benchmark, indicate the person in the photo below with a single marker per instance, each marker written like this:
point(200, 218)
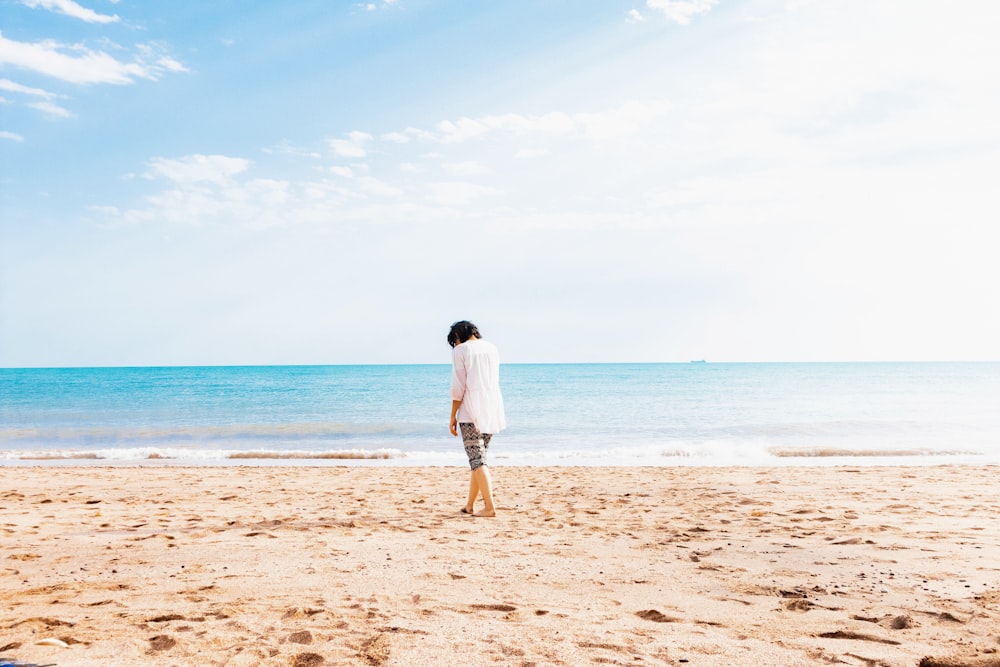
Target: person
point(476, 407)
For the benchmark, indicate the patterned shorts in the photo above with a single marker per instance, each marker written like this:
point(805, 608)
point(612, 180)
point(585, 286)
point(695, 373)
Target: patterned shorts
point(476, 444)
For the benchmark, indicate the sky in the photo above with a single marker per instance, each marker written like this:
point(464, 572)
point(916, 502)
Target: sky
point(323, 182)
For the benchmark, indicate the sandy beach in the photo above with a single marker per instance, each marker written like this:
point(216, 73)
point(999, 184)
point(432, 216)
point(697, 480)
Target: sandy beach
point(305, 566)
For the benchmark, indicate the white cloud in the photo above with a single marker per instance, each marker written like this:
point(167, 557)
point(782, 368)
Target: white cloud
point(376, 6)
point(465, 129)
point(81, 65)
point(461, 130)
point(396, 137)
point(70, 8)
point(14, 87)
point(353, 146)
point(170, 64)
point(634, 16)
point(46, 105)
point(216, 169)
point(418, 134)
point(153, 58)
point(52, 109)
point(408, 135)
point(681, 11)
point(553, 123)
point(210, 190)
point(371, 181)
point(270, 192)
point(200, 200)
point(10, 136)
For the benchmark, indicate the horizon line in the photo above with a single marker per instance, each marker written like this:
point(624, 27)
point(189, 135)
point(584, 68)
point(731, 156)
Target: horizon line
point(697, 362)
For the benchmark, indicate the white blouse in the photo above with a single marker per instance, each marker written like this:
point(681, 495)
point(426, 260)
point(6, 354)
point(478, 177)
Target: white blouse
point(475, 381)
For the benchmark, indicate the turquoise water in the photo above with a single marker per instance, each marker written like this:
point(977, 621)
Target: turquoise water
point(559, 414)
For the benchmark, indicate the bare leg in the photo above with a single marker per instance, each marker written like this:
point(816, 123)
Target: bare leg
point(473, 493)
point(481, 476)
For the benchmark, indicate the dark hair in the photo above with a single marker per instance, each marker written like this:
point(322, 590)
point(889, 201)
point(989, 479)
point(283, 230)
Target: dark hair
point(461, 332)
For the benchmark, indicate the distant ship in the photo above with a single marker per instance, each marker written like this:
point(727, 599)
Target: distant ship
point(698, 361)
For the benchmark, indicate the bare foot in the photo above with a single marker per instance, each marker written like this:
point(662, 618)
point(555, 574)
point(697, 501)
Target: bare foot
point(485, 513)
point(467, 510)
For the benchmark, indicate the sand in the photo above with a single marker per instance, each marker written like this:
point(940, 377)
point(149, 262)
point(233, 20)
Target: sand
point(306, 566)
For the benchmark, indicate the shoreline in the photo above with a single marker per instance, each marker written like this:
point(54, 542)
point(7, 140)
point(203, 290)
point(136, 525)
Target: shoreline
point(374, 565)
point(390, 458)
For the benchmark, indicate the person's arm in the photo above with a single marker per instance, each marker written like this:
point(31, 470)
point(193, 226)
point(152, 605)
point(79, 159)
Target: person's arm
point(453, 424)
point(457, 387)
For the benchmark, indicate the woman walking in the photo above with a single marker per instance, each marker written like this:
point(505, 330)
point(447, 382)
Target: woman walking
point(476, 406)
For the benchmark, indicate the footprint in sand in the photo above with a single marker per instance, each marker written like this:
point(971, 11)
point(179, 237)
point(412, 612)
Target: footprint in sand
point(376, 650)
point(162, 643)
point(843, 634)
point(656, 616)
point(493, 607)
point(309, 660)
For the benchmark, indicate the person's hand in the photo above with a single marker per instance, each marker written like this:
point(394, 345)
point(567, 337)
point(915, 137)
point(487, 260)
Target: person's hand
point(453, 426)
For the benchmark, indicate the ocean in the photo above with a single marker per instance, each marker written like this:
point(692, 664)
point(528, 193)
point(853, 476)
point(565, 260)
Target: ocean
point(714, 414)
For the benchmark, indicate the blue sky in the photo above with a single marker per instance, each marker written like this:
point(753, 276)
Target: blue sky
point(618, 180)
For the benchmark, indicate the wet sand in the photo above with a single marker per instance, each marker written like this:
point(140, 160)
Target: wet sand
point(306, 566)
